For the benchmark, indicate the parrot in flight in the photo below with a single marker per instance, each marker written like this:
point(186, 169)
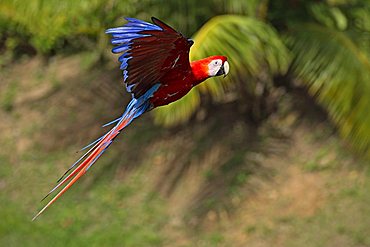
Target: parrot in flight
point(156, 71)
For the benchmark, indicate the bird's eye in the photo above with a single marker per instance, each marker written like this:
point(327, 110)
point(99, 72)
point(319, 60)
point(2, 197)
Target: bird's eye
point(216, 62)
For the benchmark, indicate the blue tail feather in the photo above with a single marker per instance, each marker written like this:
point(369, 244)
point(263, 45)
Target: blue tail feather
point(90, 144)
point(112, 122)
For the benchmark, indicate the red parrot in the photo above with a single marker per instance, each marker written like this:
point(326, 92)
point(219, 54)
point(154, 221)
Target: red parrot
point(156, 71)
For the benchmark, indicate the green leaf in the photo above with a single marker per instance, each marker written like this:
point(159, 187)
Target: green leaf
point(179, 111)
point(337, 72)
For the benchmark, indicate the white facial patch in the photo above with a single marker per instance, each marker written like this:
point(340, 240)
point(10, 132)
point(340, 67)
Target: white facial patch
point(214, 67)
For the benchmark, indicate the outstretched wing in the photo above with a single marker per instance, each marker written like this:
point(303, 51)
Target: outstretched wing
point(149, 51)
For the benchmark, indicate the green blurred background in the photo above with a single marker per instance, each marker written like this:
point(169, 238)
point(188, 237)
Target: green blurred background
point(275, 154)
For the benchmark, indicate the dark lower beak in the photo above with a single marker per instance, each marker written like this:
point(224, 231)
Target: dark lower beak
point(221, 71)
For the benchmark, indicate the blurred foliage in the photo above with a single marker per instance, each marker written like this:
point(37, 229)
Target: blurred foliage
point(51, 25)
point(332, 57)
point(322, 45)
point(47, 25)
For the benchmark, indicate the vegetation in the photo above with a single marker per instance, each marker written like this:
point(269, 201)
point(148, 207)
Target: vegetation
point(259, 162)
point(324, 44)
point(217, 182)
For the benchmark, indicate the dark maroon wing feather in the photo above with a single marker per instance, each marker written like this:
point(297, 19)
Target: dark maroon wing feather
point(149, 52)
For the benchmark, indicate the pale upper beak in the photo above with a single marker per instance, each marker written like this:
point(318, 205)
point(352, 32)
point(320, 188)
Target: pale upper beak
point(224, 70)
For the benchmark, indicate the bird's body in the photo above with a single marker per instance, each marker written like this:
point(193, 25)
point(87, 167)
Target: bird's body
point(177, 84)
point(156, 71)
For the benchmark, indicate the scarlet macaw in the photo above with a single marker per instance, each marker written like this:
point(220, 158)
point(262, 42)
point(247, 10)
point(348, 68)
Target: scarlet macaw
point(156, 70)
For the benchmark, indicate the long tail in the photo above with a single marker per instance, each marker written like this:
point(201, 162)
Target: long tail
point(133, 110)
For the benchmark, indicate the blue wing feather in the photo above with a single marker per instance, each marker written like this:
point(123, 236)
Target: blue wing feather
point(147, 52)
point(121, 48)
point(125, 76)
point(123, 37)
point(140, 23)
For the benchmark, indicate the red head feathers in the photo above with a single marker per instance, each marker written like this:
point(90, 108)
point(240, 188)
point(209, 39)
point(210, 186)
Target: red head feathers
point(209, 67)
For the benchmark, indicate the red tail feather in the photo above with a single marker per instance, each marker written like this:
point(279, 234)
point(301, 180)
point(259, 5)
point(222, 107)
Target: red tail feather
point(80, 170)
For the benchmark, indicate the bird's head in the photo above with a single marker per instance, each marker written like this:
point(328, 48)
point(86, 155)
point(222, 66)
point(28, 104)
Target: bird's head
point(209, 67)
point(218, 65)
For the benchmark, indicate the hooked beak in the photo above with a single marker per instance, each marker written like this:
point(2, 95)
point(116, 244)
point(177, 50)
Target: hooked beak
point(224, 70)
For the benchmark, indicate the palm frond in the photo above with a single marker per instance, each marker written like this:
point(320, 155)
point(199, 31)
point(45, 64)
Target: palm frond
point(251, 46)
point(332, 17)
point(179, 111)
point(337, 72)
point(46, 25)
